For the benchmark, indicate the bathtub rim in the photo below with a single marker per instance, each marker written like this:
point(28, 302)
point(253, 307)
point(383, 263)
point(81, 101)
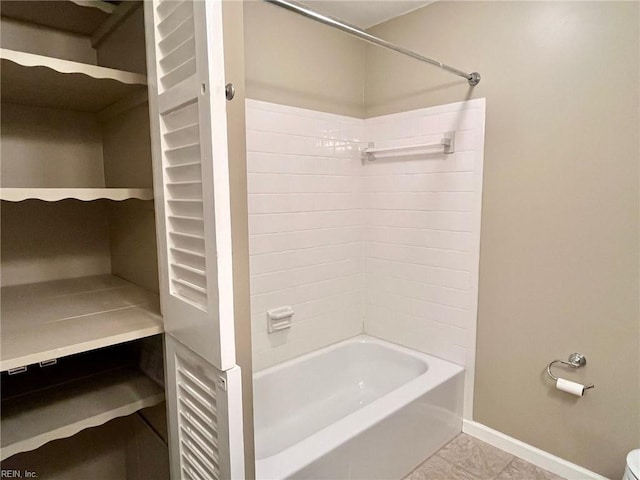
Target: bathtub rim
point(297, 456)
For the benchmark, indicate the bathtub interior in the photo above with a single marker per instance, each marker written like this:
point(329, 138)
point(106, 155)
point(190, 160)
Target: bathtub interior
point(361, 409)
point(300, 397)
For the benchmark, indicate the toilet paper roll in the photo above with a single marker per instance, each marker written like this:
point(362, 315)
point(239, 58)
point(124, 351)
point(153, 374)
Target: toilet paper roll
point(570, 387)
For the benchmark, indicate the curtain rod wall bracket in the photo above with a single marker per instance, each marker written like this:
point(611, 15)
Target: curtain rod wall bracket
point(474, 79)
point(300, 9)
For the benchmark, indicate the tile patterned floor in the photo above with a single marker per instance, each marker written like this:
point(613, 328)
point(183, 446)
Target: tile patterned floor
point(467, 458)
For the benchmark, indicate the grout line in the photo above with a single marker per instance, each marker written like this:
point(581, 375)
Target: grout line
point(412, 210)
point(439, 322)
point(467, 173)
point(419, 247)
point(459, 270)
point(304, 156)
point(310, 230)
point(414, 174)
point(339, 244)
point(386, 276)
point(303, 193)
point(421, 229)
point(307, 212)
point(507, 466)
point(297, 174)
point(321, 299)
point(309, 283)
point(418, 210)
point(295, 231)
point(327, 135)
point(322, 264)
point(351, 155)
point(387, 192)
point(280, 192)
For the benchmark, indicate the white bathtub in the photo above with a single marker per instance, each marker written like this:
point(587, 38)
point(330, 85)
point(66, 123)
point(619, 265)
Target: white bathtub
point(361, 409)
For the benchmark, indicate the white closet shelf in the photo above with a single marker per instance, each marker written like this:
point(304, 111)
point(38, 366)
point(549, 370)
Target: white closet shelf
point(77, 16)
point(37, 80)
point(30, 421)
point(43, 321)
point(85, 194)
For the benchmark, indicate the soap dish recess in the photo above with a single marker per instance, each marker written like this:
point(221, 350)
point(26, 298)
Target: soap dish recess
point(279, 319)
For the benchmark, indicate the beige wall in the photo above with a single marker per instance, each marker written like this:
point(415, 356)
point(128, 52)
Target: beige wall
point(559, 252)
point(295, 61)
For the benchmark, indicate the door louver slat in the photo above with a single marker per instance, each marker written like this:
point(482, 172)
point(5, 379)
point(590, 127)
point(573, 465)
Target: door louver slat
point(197, 421)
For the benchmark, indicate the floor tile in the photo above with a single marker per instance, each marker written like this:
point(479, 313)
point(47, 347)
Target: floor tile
point(518, 469)
point(437, 468)
point(481, 459)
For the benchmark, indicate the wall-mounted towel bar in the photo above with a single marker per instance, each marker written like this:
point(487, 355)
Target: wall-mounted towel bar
point(371, 153)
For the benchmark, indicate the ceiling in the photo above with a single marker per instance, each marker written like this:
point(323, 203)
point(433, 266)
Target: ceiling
point(365, 13)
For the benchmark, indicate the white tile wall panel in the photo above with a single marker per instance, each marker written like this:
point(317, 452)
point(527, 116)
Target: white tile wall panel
point(389, 247)
point(461, 241)
point(292, 183)
point(303, 164)
point(305, 227)
point(422, 231)
point(294, 145)
point(302, 202)
point(377, 284)
point(307, 336)
point(281, 261)
point(333, 304)
point(271, 282)
point(324, 290)
point(432, 220)
point(433, 257)
point(413, 332)
point(435, 312)
point(300, 221)
point(422, 201)
point(416, 273)
point(278, 242)
point(420, 182)
point(415, 164)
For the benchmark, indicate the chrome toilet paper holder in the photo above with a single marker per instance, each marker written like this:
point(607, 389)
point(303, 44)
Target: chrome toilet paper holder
point(575, 360)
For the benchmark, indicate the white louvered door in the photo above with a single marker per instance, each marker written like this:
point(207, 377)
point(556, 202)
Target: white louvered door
point(205, 405)
point(188, 114)
point(187, 106)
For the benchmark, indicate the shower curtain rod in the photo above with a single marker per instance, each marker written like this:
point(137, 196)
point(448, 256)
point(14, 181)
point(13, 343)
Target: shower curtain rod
point(473, 78)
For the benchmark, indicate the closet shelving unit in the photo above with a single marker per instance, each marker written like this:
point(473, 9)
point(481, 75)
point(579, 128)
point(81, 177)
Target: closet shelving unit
point(29, 423)
point(84, 194)
point(52, 319)
point(82, 17)
point(74, 139)
point(40, 81)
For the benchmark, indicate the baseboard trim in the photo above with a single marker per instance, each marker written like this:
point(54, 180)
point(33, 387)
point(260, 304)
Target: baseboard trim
point(529, 453)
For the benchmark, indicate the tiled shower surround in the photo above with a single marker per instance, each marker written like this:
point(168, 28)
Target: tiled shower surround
point(388, 247)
